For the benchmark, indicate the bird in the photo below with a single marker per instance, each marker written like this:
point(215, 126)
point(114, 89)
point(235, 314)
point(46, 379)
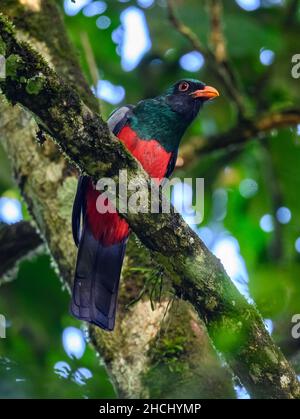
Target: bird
point(151, 131)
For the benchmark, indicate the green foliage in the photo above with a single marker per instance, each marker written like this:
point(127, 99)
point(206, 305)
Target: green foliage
point(34, 85)
point(37, 310)
point(2, 46)
point(169, 351)
point(13, 64)
point(153, 285)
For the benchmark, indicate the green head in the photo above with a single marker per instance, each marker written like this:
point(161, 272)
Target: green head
point(166, 117)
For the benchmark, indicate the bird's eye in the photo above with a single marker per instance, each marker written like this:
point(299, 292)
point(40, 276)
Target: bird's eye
point(184, 86)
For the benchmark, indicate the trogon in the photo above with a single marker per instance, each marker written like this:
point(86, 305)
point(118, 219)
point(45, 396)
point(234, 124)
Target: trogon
point(151, 131)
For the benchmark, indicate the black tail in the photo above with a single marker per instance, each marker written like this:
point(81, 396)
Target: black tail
point(96, 281)
point(97, 274)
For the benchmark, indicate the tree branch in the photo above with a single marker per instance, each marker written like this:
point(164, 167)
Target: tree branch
point(16, 242)
point(217, 36)
point(196, 274)
point(48, 184)
point(236, 137)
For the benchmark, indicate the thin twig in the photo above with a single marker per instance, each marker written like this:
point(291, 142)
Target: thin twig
point(221, 70)
point(91, 61)
point(217, 37)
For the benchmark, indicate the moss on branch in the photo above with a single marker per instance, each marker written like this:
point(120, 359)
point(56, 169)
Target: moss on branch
point(48, 184)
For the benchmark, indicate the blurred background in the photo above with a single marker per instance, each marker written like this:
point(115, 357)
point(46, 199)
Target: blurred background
point(251, 221)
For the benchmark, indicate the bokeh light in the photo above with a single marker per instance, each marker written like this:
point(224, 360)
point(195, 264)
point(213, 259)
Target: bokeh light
point(241, 392)
point(10, 210)
point(220, 201)
point(297, 244)
point(270, 3)
point(267, 223)
point(145, 3)
point(266, 56)
point(206, 235)
point(73, 342)
point(81, 375)
point(103, 22)
point(269, 325)
point(182, 200)
point(62, 369)
point(182, 195)
point(72, 8)
point(283, 215)
point(248, 188)
point(109, 92)
point(192, 61)
point(227, 249)
point(136, 40)
point(248, 5)
point(95, 8)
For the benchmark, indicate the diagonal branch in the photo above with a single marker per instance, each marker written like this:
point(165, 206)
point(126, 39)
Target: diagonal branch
point(196, 274)
point(236, 137)
point(217, 37)
point(47, 183)
point(16, 242)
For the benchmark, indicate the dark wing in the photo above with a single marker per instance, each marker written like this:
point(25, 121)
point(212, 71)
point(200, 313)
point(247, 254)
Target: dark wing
point(171, 165)
point(117, 120)
point(79, 207)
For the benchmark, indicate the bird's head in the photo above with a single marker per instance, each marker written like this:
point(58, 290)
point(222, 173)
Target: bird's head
point(187, 96)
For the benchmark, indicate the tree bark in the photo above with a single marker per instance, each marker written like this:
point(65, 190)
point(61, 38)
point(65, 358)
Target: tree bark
point(141, 353)
point(17, 241)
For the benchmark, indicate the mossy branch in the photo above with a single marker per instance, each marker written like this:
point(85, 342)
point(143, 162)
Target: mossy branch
point(235, 326)
point(47, 183)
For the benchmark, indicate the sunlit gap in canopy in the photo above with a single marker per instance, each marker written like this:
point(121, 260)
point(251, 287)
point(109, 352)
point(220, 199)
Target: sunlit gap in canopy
point(135, 40)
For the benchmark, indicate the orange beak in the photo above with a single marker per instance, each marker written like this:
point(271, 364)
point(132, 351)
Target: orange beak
point(207, 93)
